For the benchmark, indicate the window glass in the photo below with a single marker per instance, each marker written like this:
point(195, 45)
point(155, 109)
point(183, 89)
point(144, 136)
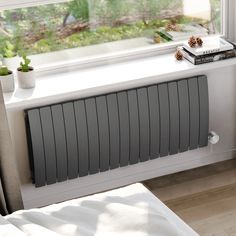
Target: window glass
point(128, 23)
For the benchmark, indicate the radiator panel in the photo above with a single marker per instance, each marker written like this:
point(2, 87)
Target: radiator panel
point(174, 117)
point(144, 128)
point(91, 135)
point(112, 105)
point(103, 128)
point(49, 144)
point(194, 113)
point(82, 133)
point(37, 148)
point(124, 128)
point(154, 117)
point(184, 115)
point(71, 137)
point(134, 127)
point(204, 111)
point(60, 142)
point(164, 119)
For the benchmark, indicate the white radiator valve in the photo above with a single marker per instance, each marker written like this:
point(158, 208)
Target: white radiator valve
point(213, 137)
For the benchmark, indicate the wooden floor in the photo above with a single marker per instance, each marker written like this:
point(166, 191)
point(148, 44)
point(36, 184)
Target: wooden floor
point(205, 198)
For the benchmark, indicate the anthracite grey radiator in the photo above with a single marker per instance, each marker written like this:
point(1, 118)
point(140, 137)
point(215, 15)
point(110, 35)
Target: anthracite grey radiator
point(95, 134)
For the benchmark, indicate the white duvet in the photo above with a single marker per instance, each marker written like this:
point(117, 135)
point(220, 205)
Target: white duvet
point(131, 210)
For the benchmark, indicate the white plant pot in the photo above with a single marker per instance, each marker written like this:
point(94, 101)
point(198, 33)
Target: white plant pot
point(7, 82)
point(12, 63)
point(26, 80)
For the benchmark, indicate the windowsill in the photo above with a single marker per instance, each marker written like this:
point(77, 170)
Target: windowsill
point(87, 82)
point(100, 54)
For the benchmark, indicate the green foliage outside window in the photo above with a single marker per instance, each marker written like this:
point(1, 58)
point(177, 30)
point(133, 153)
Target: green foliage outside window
point(81, 23)
point(79, 9)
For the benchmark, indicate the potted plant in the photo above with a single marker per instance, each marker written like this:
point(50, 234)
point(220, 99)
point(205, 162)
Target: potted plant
point(26, 74)
point(10, 58)
point(7, 79)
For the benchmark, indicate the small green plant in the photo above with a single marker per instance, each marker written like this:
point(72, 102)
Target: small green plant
point(4, 71)
point(24, 65)
point(9, 50)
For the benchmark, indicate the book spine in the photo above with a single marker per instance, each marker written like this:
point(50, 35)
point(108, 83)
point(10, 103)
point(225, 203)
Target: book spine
point(205, 52)
point(197, 60)
point(211, 51)
point(216, 57)
point(187, 56)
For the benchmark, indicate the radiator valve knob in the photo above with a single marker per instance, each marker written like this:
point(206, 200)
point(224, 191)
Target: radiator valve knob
point(213, 137)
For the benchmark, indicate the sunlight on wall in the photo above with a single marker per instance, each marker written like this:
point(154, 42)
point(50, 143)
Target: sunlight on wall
point(199, 8)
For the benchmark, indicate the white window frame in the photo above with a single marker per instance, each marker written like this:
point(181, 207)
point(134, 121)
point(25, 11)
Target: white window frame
point(229, 19)
point(228, 31)
point(13, 4)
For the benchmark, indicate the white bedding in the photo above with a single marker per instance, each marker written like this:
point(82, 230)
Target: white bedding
point(131, 210)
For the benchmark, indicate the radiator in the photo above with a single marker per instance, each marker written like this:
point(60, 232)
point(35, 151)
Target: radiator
point(83, 137)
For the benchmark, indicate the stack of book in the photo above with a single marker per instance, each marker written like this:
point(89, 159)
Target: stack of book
point(213, 49)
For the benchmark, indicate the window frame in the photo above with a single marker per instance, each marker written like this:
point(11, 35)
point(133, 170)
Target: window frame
point(14, 4)
point(229, 19)
point(228, 15)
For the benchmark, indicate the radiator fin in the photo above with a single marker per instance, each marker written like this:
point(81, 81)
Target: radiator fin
point(154, 117)
point(164, 119)
point(174, 117)
point(103, 127)
point(184, 115)
point(124, 128)
point(112, 105)
point(194, 113)
point(204, 110)
point(49, 144)
point(82, 134)
point(37, 148)
point(60, 142)
point(134, 127)
point(92, 124)
point(71, 137)
point(144, 128)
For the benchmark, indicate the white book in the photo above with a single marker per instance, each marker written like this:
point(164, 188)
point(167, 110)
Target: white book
point(187, 31)
point(210, 45)
point(178, 36)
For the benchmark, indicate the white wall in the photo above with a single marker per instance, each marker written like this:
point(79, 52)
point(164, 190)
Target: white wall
point(222, 95)
point(222, 87)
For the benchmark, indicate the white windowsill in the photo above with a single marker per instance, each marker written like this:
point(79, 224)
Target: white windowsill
point(104, 79)
point(100, 54)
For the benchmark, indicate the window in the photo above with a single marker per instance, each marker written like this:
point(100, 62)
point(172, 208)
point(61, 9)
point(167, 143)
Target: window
point(95, 27)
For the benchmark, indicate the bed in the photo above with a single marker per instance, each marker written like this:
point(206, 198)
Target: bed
point(131, 210)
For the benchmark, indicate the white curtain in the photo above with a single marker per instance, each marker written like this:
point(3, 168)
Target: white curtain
point(10, 197)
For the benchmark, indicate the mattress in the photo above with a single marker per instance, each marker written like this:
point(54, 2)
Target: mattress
point(131, 210)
